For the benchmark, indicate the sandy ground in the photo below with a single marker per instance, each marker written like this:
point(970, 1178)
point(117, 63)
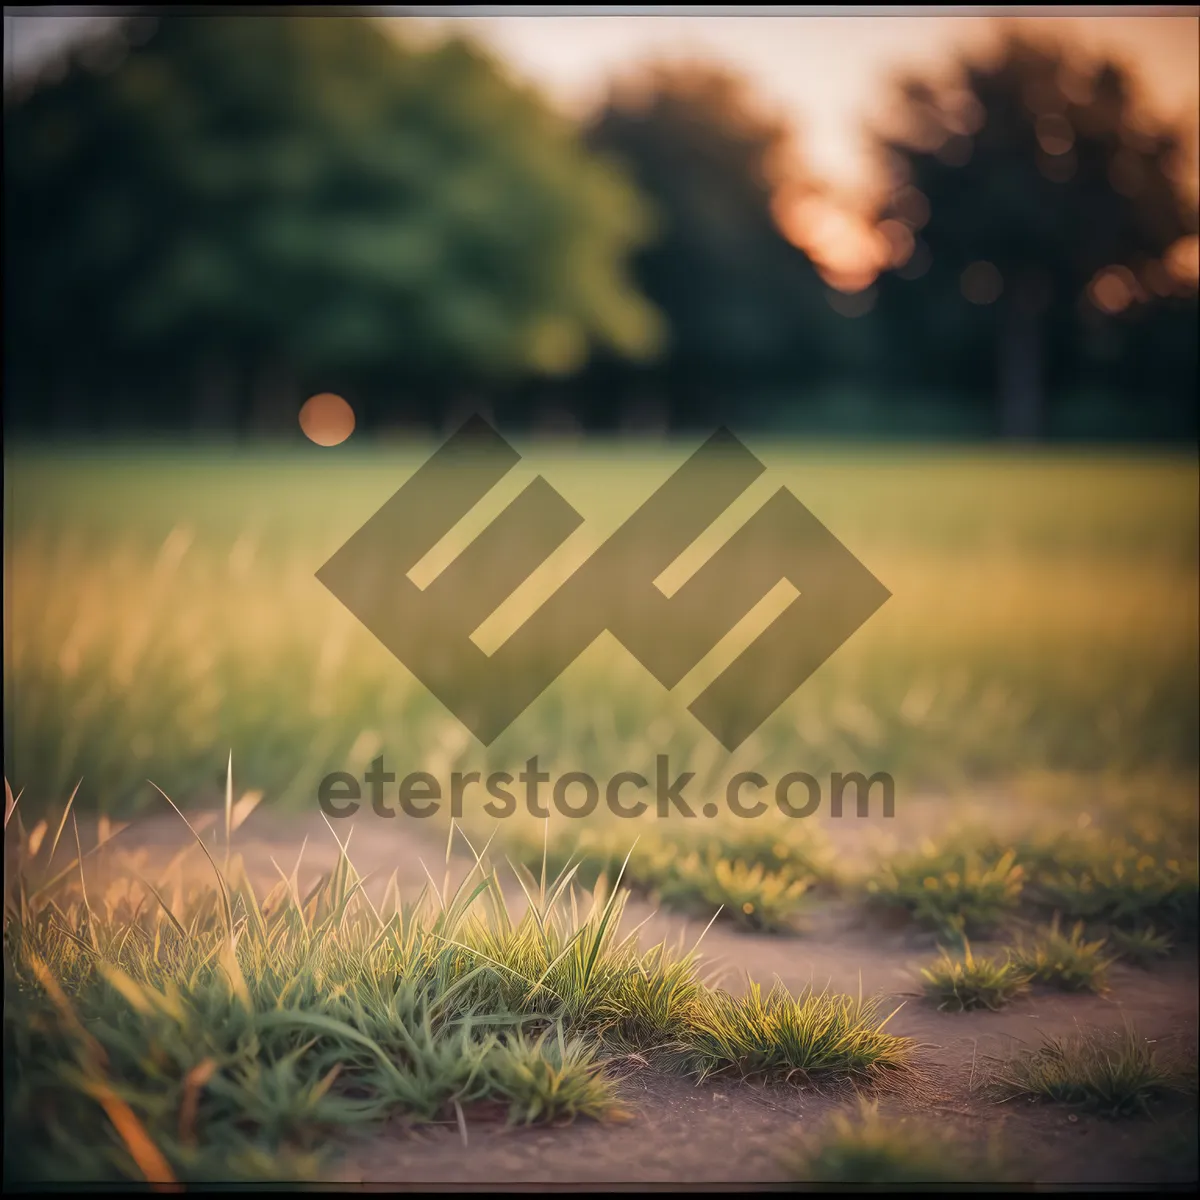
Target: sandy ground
point(729, 1133)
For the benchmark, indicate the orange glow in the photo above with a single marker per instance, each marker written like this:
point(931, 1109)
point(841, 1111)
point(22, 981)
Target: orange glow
point(1113, 289)
point(1158, 279)
point(846, 249)
point(1054, 133)
point(1183, 260)
point(900, 242)
point(326, 419)
point(912, 207)
point(828, 74)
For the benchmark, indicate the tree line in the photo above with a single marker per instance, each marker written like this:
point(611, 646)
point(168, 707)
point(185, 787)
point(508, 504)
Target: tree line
point(209, 218)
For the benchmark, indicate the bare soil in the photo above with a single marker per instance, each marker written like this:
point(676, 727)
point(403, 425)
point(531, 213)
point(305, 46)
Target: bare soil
point(728, 1133)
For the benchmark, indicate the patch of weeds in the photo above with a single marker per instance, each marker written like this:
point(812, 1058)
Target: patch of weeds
point(551, 1079)
point(758, 880)
point(1117, 882)
point(951, 890)
point(1143, 946)
point(781, 1036)
point(192, 1028)
point(751, 896)
point(659, 996)
point(1113, 1076)
point(1067, 961)
point(866, 1148)
point(964, 983)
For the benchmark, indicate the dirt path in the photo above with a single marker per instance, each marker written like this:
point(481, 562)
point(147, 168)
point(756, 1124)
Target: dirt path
point(727, 1133)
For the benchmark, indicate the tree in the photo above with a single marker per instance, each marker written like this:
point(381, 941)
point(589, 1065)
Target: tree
point(1018, 192)
point(744, 306)
point(311, 202)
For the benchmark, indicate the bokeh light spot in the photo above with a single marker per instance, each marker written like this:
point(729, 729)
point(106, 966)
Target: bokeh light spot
point(326, 419)
point(1183, 260)
point(1054, 133)
point(1113, 289)
point(900, 242)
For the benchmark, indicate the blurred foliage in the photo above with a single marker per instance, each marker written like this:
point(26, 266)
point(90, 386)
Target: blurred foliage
point(746, 309)
point(1032, 212)
point(227, 199)
point(212, 217)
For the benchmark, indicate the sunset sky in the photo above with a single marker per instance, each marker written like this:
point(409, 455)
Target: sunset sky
point(826, 71)
point(829, 76)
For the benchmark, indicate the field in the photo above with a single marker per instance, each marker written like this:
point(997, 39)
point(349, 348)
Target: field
point(1031, 687)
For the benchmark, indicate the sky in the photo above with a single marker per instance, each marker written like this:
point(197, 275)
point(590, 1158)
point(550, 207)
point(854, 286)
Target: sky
point(827, 74)
point(826, 71)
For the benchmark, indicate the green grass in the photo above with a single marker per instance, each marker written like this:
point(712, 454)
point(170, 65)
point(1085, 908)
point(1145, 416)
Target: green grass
point(965, 982)
point(760, 878)
point(1111, 1075)
point(1142, 947)
point(866, 1148)
point(1067, 961)
point(162, 609)
point(1123, 884)
point(186, 1030)
point(780, 1036)
point(950, 890)
point(1109, 878)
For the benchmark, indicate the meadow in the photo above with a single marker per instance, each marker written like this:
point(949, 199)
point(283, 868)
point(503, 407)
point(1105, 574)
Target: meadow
point(1035, 670)
point(162, 611)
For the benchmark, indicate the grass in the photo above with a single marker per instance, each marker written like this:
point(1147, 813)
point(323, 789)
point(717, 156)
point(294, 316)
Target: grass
point(965, 982)
point(758, 878)
point(175, 1030)
point(780, 1036)
point(864, 1147)
point(162, 607)
point(1111, 879)
point(948, 890)
point(1121, 883)
point(1143, 947)
point(1094, 1071)
point(1067, 961)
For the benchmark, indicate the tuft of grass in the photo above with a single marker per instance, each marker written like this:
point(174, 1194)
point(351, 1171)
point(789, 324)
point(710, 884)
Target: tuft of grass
point(950, 889)
point(965, 983)
point(759, 881)
point(865, 1148)
point(551, 1079)
point(781, 1036)
point(1142, 946)
point(753, 897)
point(196, 1028)
point(1066, 960)
point(1090, 1070)
point(1119, 882)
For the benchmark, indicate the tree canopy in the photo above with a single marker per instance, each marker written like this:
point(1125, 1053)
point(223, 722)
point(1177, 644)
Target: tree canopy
point(1020, 193)
point(311, 194)
point(744, 306)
